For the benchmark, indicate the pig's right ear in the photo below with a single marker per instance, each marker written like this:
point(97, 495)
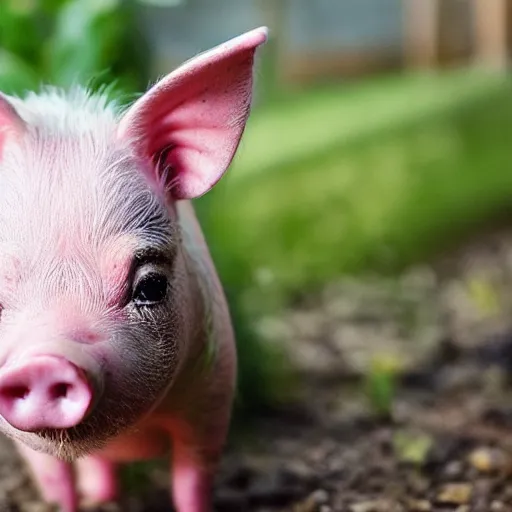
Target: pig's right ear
point(191, 122)
point(11, 124)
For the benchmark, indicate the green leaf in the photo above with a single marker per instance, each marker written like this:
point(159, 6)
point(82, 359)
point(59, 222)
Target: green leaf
point(20, 30)
point(381, 383)
point(412, 448)
point(484, 295)
point(16, 75)
point(83, 34)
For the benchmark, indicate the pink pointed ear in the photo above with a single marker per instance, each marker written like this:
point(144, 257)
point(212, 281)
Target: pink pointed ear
point(191, 122)
point(11, 124)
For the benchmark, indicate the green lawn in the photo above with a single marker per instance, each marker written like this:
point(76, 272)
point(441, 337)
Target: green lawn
point(316, 120)
point(370, 176)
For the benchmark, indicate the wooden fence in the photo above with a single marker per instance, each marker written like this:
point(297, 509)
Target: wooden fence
point(325, 39)
point(449, 32)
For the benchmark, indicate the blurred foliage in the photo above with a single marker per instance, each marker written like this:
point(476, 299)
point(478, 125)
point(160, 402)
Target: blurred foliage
point(484, 296)
point(361, 178)
point(371, 177)
point(381, 384)
point(412, 448)
point(265, 377)
point(63, 42)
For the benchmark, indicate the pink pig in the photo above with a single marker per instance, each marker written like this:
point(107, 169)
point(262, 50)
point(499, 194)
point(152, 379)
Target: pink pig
point(115, 335)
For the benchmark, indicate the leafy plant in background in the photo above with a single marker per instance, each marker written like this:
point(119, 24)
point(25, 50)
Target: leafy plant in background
point(63, 42)
point(381, 384)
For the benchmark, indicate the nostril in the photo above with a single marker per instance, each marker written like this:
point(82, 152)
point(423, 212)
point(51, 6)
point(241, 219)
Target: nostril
point(59, 390)
point(15, 392)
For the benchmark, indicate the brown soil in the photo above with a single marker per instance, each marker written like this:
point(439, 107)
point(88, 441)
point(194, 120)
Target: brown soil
point(446, 444)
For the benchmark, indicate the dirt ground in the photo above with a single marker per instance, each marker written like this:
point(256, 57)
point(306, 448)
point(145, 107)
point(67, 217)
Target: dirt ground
point(447, 442)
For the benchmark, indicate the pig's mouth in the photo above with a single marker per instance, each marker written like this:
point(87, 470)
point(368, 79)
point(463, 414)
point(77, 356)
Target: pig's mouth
point(108, 419)
point(66, 444)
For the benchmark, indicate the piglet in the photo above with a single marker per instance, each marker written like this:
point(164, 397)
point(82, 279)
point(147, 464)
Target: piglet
point(115, 337)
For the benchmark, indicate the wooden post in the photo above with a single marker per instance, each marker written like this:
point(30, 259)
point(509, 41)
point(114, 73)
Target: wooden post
point(490, 22)
point(455, 32)
point(274, 15)
point(421, 31)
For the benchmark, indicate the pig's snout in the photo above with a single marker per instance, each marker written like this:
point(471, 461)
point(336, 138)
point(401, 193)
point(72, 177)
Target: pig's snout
point(45, 392)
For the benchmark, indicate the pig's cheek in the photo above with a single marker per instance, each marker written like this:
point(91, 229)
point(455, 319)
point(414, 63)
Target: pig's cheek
point(7, 340)
point(117, 357)
point(131, 357)
point(10, 273)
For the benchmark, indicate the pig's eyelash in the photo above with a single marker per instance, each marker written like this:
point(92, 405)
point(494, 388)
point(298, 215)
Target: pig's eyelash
point(142, 257)
point(152, 255)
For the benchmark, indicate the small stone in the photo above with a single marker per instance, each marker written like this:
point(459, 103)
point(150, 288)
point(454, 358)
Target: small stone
point(301, 469)
point(239, 477)
point(313, 502)
point(320, 496)
point(230, 500)
point(93, 507)
point(453, 469)
point(365, 506)
point(111, 507)
point(488, 460)
point(506, 494)
point(376, 506)
point(13, 482)
point(418, 484)
point(419, 506)
point(274, 489)
point(497, 506)
point(38, 507)
point(455, 494)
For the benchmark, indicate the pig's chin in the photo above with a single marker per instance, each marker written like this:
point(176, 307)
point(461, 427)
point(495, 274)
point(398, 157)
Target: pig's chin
point(57, 443)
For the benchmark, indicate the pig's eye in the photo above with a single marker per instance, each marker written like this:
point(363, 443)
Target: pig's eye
point(150, 289)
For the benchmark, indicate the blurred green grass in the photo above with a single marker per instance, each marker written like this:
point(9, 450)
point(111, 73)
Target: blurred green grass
point(367, 177)
point(296, 124)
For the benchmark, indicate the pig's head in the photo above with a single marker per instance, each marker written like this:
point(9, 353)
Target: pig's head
point(94, 299)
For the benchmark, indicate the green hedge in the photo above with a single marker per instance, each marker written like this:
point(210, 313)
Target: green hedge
point(367, 177)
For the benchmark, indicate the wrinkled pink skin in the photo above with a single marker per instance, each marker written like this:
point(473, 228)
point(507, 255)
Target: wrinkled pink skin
point(88, 379)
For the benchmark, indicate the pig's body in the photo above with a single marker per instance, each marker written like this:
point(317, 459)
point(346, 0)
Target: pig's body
point(115, 338)
point(201, 395)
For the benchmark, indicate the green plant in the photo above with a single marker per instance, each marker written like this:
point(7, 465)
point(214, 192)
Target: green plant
point(63, 42)
point(381, 384)
point(350, 181)
point(412, 447)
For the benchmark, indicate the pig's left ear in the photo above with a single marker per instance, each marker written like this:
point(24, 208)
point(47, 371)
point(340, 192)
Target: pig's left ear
point(192, 120)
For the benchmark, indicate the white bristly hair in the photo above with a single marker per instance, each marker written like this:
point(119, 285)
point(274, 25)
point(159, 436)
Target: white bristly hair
point(69, 177)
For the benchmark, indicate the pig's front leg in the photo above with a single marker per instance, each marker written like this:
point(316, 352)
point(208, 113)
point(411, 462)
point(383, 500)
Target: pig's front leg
point(53, 477)
point(195, 456)
point(96, 480)
point(192, 477)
